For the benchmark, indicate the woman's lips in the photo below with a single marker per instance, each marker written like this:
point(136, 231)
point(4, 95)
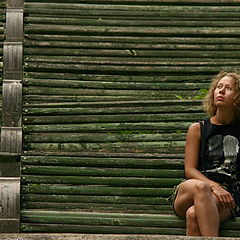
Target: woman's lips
point(220, 98)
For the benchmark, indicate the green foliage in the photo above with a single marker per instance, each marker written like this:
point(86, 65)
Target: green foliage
point(201, 94)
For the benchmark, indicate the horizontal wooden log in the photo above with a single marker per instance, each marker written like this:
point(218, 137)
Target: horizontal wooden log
point(103, 138)
point(106, 22)
point(96, 190)
point(130, 10)
point(104, 172)
point(138, 61)
point(168, 94)
point(133, 39)
point(166, 162)
point(129, 7)
point(85, 215)
point(202, 78)
point(131, 219)
point(127, 46)
point(108, 181)
point(56, 228)
point(124, 61)
point(94, 219)
point(160, 105)
point(121, 15)
point(118, 110)
point(147, 31)
point(126, 208)
point(119, 127)
point(113, 118)
point(128, 147)
point(122, 208)
point(95, 199)
point(108, 104)
point(109, 155)
point(61, 99)
point(187, 53)
point(123, 22)
point(78, 94)
point(112, 63)
point(114, 69)
point(106, 14)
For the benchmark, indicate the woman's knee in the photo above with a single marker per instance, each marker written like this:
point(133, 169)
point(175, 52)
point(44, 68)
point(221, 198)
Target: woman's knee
point(191, 214)
point(191, 218)
point(187, 192)
point(195, 186)
point(202, 188)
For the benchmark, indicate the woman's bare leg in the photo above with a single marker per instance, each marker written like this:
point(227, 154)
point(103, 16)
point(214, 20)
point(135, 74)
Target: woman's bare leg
point(192, 227)
point(198, 193)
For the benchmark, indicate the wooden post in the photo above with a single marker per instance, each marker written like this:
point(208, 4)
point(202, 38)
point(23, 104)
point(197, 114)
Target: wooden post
point(11, 130)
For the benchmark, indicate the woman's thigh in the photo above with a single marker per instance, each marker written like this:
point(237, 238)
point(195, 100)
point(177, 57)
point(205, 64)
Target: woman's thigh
point(224, 213)
point(185, 196)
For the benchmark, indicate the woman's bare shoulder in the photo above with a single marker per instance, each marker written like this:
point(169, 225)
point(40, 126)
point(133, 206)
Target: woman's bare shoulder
point(195, 126)
point(194, 129)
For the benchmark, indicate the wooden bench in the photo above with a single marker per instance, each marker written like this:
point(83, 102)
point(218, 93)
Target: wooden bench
point(109, 90)
point(103, 195)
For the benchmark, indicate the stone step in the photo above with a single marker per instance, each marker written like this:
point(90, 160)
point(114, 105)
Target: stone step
point(46, 236)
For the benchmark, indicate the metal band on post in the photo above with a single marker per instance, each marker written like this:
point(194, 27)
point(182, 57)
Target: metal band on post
point(11, 130)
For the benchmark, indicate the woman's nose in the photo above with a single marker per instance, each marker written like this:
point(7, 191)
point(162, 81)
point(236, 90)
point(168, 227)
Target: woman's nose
point(222, 90)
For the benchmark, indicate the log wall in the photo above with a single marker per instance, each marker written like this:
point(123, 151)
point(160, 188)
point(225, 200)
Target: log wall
point(109, 90)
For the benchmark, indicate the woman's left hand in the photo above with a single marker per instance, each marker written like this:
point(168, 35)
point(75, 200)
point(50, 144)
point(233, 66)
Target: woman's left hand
point(224, 196)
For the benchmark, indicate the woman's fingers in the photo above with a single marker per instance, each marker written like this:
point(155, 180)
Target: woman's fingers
point(225, 198)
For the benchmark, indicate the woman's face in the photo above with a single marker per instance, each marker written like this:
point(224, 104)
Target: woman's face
point(225, 92)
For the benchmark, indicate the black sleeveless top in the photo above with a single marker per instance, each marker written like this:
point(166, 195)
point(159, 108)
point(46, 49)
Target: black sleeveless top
point(219, 156)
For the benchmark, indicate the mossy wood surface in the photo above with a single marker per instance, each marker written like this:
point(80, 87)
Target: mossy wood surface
point(110, 89)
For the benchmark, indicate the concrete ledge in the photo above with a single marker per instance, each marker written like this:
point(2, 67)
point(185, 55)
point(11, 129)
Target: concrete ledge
point(47, 236)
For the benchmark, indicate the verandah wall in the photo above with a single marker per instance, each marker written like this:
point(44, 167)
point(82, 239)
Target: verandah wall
point(110, 88)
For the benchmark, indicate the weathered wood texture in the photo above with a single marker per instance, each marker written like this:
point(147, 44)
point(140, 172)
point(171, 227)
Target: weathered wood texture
point(2, 22)
point(11, 125)
point(110, 88)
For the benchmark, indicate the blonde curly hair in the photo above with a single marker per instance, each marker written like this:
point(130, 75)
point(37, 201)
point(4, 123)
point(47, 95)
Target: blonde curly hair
point(208, 102)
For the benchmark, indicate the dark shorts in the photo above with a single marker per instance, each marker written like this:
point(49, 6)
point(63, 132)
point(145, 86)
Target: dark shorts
point(172, 198)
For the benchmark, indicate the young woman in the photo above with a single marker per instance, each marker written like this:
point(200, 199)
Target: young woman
point(212, 161)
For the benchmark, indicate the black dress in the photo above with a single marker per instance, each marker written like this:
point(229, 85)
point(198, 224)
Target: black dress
point(219, 156)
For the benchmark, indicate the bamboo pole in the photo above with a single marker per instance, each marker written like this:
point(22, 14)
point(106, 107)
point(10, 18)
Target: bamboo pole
point(124, 22)
point(164, 162)
point(96, 190)
point(168, 127)
point(113, 118)
point(163, 174)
